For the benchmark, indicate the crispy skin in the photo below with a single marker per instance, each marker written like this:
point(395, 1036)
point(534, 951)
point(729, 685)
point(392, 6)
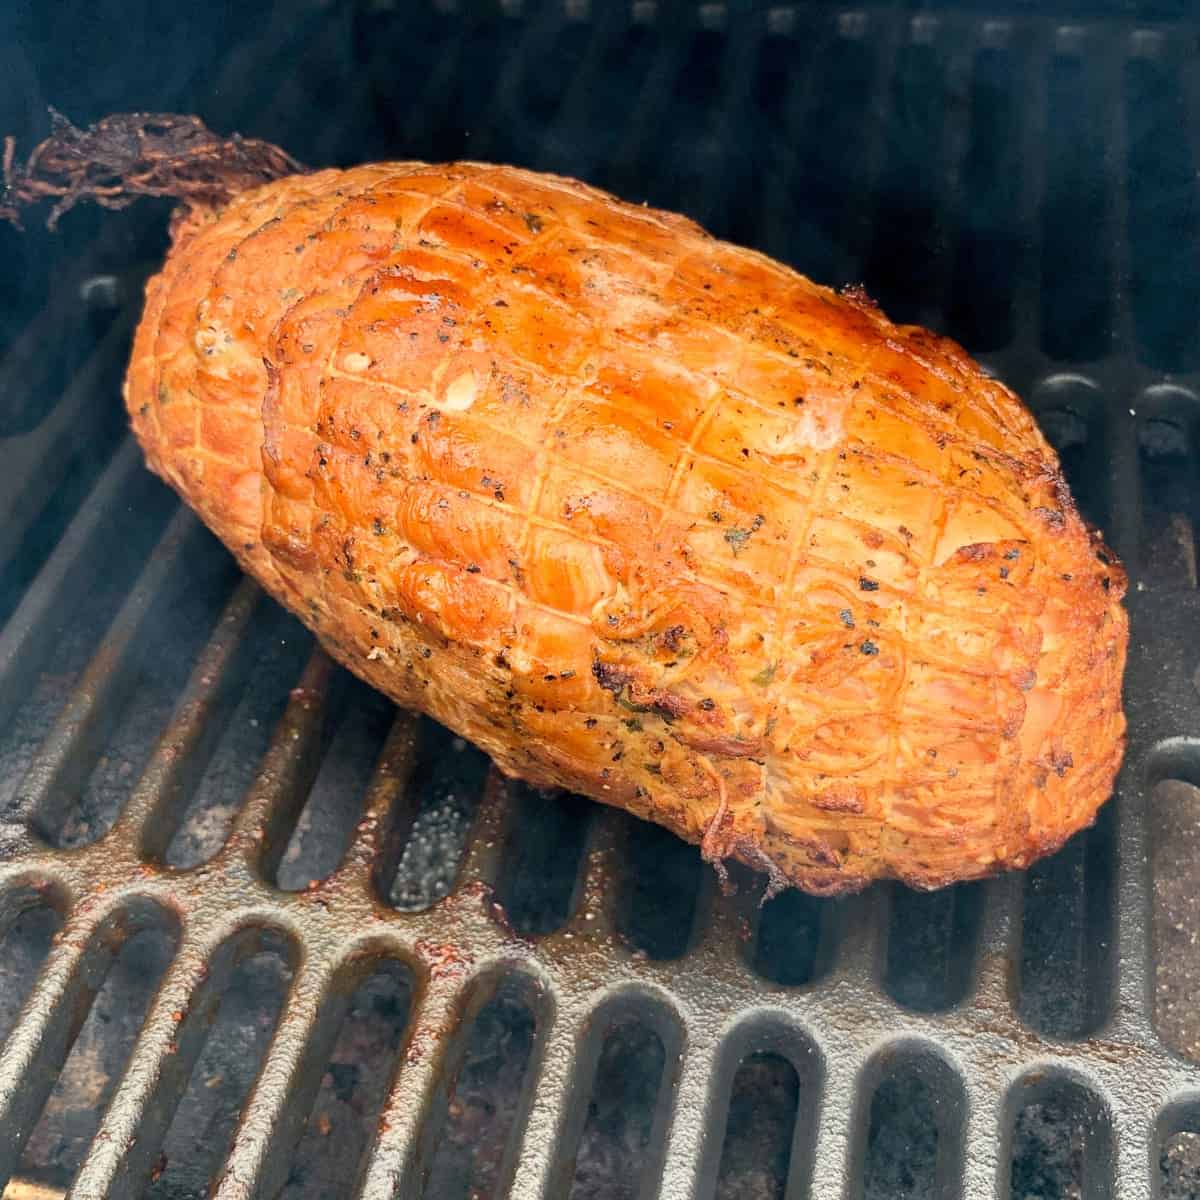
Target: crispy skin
point(645, 515)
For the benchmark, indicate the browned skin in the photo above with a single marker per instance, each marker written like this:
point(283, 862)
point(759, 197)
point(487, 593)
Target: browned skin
point(644, 515)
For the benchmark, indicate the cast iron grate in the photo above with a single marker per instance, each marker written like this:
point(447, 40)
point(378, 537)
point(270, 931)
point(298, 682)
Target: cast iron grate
point(166, 795)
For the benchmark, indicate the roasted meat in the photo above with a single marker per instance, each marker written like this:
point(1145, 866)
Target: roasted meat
point(644, 515)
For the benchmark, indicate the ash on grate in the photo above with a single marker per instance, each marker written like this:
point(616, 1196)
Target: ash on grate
point(72, 1113)
point(201, 1132)
point(23, 948)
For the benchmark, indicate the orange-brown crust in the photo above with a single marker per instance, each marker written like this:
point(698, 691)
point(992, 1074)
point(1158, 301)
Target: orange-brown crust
point(645, 515)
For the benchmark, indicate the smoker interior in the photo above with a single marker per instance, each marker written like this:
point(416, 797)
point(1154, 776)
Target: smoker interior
point(262, 934)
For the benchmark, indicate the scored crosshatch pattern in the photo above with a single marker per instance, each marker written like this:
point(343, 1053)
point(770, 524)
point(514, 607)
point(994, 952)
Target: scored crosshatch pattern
point(844, 1021)
point(487, 281)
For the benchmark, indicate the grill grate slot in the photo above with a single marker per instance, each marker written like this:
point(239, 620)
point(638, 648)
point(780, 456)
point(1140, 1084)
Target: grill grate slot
point(620, 1080)
point(270, 808)
point(989, 237)
point(828, 167)
point(248, 1008)
point(931, 946)
point(1062, 1141)
point(1166, 437)
point(59, 1141)
point(28, 925)
point(1176, 929)
point(903, 263)
point(447, 783)
point(913, 1143)
point(1075, 267)
point(541, 863)
point(658, 906)
point(239, 688)
point(361, 721)
point(795, 939)
point(129, 682)
point(473, 1127)
point(50, 639)
point(1164, 216)
point(1066, 940)
point(764, 1105)
point(354, 1083)
point(1179, 1152)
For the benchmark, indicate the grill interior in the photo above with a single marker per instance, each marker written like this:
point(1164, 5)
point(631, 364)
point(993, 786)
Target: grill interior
point(261, 933)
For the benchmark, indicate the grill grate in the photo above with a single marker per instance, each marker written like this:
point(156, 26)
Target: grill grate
point(1026, 182)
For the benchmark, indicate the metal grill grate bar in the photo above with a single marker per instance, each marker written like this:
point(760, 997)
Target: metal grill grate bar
point(833, 1161)
point(274, 1116)
point(388, 811)
point(395, 1163)
point(1134, 1004)
point(554, 1122)
point(693, 1147)
point(858, 954)
point(1122, 383)
point(173, 770)
point(68, 753)
point(484, 852)
point(595, 913)
point(57, 1006)
point(986, 1144)
point(993, 971)
point(25, 639)
point(259, 835)
point(123, 1153)
point(1135, 1155)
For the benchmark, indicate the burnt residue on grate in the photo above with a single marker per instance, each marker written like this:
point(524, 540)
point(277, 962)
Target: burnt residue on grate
point(335, 951)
